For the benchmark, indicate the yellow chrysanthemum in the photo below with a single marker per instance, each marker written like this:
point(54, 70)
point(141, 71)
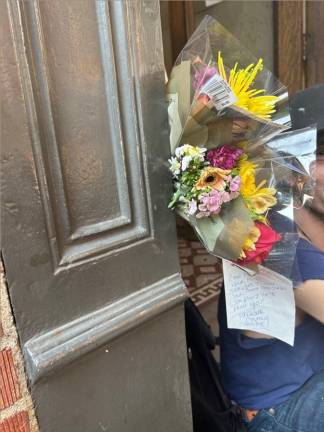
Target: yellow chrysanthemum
point(241, 81)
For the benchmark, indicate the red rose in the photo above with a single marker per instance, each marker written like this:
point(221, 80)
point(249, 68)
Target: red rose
point(268, 237)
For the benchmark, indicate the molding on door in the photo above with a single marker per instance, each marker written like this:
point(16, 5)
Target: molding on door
point(63, 345)
point(73, 237)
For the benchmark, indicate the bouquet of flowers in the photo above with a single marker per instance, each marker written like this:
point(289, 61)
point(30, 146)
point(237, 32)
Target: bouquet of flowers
point(206, 185)
point(219, 93)
point(230, 183)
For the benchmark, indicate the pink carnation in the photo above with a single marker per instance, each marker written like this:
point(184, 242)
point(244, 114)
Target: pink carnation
point(224, 157)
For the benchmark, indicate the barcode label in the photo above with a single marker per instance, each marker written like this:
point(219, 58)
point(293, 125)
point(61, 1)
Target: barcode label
point(219, 92)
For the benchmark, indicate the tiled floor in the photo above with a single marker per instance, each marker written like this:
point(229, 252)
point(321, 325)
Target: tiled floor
point(202, 274)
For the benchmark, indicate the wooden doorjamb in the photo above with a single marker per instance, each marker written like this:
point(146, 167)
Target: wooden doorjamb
point(181, 15)
point(299, 43)
point(314, 43)
point(289, 21)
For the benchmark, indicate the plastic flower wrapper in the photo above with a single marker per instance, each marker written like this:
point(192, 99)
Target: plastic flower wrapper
point(219, 93)
point(242, 208)
point(292, 159)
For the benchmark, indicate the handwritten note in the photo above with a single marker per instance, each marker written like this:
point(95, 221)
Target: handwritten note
point(264, 302)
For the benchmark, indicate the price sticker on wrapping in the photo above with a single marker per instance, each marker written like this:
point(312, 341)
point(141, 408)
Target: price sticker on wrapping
point(219, 92)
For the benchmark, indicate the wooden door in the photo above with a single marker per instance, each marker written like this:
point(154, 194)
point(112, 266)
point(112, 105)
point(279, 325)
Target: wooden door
point(88, 243)
point(300, 43)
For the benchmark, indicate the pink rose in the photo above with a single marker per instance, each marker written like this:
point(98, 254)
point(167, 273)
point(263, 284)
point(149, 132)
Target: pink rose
point(268, 237)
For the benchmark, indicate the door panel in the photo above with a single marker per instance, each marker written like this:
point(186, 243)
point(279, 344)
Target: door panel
point(89, 246)
point(135, 383)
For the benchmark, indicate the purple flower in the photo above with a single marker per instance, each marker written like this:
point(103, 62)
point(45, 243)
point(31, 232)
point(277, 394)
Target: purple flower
point(202, 76)
point(235, 183)
point(224, 157)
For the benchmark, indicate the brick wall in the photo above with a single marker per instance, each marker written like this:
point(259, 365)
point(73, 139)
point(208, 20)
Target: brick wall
point(16, 407)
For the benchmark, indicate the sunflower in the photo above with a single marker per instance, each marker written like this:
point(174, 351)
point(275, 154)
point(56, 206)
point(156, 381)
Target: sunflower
point(212, 177)
point(240, 81)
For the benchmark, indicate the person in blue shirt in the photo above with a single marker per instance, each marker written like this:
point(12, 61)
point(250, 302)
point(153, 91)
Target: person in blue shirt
point(281, 388)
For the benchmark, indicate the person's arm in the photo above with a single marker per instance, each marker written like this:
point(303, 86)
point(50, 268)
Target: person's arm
point(309, 297)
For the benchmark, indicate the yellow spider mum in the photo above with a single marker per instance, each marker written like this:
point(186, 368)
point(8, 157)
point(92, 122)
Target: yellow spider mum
point(240, 82)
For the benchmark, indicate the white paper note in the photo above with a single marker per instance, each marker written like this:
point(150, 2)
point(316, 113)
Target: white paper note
point(264, 302)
